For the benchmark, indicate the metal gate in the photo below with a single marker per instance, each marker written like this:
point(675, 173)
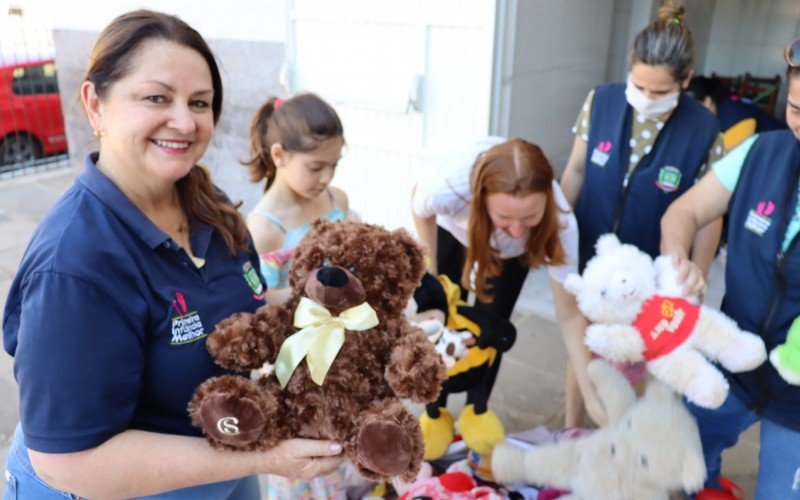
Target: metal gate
point(409, 79)
point(32, 136)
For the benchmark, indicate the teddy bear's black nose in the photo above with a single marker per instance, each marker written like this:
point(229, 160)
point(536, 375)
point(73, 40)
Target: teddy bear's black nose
point(332, 276)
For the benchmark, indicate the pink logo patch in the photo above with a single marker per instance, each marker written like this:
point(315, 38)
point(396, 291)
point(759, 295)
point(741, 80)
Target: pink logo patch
point(765, 208)
point(604, 146)
point(179, 303)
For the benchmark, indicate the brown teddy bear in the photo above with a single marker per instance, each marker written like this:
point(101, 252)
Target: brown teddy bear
point(342, 349)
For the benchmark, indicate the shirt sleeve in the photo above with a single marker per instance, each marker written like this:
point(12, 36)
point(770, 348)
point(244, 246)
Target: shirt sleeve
point(581, 127)
point(568, 232)
point(715, 153)
point(730, 166)
point(440, 194)
point(78, 363)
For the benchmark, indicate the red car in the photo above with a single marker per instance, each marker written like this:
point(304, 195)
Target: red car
point(31, 123)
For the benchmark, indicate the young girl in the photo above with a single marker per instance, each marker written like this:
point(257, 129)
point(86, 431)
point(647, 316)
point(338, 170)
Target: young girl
point(295, 145)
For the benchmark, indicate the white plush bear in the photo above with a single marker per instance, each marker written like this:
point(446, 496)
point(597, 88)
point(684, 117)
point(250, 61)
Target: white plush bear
point(638, 314)
point(650, 447)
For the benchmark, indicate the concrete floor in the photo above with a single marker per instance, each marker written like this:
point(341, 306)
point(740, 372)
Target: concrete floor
point(530, 386)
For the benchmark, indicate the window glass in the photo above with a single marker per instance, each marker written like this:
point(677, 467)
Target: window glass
point(34, 80)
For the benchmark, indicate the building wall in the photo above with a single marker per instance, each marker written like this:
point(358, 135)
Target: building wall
point(749, 35)
point(248, 39)
point(554, 52)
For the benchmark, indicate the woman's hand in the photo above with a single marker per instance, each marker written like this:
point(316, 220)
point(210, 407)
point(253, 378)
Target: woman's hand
point(302, 459)
point(689, 275)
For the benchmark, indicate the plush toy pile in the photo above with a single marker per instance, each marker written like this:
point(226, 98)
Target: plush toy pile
point(470, 341)
point(650, 448)
point(638, 314)
point(343, 354)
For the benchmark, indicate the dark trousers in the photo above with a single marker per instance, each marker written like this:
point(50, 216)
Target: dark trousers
point(505, 288)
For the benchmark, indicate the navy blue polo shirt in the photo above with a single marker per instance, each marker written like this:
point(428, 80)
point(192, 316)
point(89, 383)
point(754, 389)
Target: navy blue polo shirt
point(107, 319)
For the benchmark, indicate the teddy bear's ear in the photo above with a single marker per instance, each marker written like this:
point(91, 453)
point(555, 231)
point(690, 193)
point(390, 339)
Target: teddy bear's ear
point(320, 226)
point(573, 284)
point(413, 250)
point(607, 243)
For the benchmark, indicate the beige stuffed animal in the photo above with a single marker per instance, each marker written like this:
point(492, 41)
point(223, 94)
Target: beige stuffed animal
point(650, 447)
point(638, 314)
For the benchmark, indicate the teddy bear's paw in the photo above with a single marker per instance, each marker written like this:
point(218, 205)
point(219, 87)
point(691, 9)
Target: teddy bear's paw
point(708, 392)
point(416, 372)
point(746, 354)
point(232, 344)
point(385, 448)
point(508, 463)
point(232, 421)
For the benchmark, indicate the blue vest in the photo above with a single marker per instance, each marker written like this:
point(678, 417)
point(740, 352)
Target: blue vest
point(762, 282)
point(632, 207)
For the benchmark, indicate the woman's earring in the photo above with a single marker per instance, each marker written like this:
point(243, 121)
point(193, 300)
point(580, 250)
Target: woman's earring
point(98, 134)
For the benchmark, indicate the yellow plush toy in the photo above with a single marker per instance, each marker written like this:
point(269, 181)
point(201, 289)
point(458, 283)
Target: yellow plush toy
point(469, 340)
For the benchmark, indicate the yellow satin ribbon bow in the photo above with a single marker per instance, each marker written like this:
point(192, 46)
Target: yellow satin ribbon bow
point(320, 338)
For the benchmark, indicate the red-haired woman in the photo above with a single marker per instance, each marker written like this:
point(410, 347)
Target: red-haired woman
point(491, 212)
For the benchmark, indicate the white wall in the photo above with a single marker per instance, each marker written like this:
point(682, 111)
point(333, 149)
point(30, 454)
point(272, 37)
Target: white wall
point(252, 20)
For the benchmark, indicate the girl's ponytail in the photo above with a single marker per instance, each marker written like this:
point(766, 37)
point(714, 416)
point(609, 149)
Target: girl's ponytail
point(260, 164)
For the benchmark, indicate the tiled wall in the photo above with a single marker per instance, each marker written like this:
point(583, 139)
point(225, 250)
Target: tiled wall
point(249, 72)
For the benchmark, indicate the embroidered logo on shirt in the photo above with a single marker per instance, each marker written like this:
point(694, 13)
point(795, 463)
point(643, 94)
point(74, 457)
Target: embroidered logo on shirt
point(669, 179)
point(758, 220)
point(252, 279)
point(186, 326)
point(600, 154)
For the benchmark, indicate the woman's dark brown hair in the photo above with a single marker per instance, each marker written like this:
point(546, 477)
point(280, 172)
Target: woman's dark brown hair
point(112, 58)
point(667, 41)
point(299, 124)
point(518, 168)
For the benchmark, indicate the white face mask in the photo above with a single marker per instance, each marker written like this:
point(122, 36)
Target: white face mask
point(649, 108)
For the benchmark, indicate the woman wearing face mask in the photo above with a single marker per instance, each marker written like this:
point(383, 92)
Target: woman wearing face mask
point(762, 294)
point(638, 146)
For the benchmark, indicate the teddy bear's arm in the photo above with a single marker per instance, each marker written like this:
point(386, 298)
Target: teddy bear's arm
point(615, 342)
point(245, 341)
point(554, 465)
point(415, 370)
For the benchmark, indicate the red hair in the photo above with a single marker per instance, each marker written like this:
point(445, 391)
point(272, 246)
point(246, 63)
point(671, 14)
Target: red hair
point(518, 168)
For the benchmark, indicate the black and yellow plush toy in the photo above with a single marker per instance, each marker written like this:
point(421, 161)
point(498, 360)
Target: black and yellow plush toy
point(469, 340)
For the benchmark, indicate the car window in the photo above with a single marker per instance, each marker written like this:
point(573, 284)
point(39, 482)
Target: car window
point(33, 80)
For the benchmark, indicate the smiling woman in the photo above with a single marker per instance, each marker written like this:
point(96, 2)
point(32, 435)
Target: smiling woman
point(155, 124)
point(121, 284)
